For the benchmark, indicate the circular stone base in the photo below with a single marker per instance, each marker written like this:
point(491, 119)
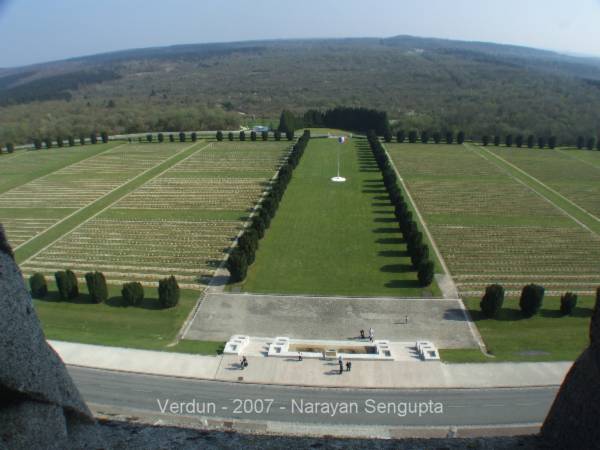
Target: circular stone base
point(338, 179)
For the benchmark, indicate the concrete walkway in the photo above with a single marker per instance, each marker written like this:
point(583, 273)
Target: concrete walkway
point(315, 373)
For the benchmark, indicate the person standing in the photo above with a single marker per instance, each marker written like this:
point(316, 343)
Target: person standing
point(348, 366)
point(371, 334)
point(244, 363)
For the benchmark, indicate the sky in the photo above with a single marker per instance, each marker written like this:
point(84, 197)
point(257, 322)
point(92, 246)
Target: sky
point(34, 31)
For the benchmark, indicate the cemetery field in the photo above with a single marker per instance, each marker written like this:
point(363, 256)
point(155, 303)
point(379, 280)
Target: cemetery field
point(23, 166)
point(335, 238)
point(545, 337)
point(494, 223)
point(140, 212)
point(146, 327)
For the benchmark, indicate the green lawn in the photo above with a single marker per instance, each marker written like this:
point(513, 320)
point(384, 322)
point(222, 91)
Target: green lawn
point(145, 327)
point(545, 337)
point(335, 239)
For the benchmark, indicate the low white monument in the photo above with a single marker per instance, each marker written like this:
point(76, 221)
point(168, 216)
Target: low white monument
point(338, 178)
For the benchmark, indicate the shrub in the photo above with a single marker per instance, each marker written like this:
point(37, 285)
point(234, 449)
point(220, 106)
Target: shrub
point(93, 138)
point(289, 135)
point(230, 136)
point(449, 137)
point(437, 137)
point(237, 265)
point(149, 137)
point(219, 135)
point(387, 136)
point(412, 136)
point(96, 285)
point(48, 142)
point(82, 140)
point(568, 302)
point(425, 274)
point(419, 254)
point(492, 300)
point(400, 137)
point(253, 136)
point(71, 140)
point(182, 137)
point(531, 300)
point(104, 137)
point(248, 244)
point(10, 147)
point(168, 292)
point(38, 285)
point(242, 136)
point(161, 138)
point(485, 140)
point(171, 137)
point(425, 137)
point(265, 135)
point(277, 135)
point(132, 293)
point(194, 136)
point(73, 284)
point(62, 284)
point(258, 225)
point(60, 142)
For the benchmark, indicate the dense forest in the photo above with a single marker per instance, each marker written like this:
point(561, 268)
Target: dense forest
point(422, 84)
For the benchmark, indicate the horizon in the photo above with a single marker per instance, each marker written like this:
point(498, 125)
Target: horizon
point(508, 24)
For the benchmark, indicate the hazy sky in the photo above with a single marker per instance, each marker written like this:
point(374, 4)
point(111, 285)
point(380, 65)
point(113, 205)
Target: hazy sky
point(45, 30)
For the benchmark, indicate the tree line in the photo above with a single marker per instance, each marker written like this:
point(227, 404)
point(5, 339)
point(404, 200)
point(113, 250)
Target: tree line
point(244, 253)
point(530, 301)
point(417, 248)
point(346, 118)
point(264, 135)
point(132, 293)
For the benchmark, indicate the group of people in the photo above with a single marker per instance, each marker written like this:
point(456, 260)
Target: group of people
point(371, 334)
point(341, 363)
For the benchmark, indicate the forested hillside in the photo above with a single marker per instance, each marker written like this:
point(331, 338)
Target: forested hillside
point(423, 84)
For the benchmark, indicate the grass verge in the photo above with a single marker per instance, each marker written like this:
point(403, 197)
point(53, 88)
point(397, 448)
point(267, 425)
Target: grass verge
point(335, 238)
point(547, 336)
point(146, 327)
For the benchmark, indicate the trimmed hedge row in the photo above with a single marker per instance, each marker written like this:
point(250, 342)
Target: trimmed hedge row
point(132, 293)
point(530, 301)
point(244, 254)
point(417, 248)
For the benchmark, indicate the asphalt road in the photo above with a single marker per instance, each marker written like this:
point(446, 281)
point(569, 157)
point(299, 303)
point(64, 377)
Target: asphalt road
point(464, 407)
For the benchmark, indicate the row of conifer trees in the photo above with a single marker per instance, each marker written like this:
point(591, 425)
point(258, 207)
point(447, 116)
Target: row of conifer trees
point(132, 293)
point(417, 248)
point(243, 255)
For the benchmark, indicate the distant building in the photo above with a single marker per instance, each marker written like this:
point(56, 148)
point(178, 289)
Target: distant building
point(260, 128)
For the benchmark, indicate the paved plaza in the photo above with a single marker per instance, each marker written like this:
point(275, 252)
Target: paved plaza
point(222, 315)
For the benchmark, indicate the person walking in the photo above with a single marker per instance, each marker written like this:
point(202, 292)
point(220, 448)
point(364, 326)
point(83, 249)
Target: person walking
point(362, 334)
point(371, 334)
point(341, 367)
point(348, 366)
point(299, 356)
point(244, 363)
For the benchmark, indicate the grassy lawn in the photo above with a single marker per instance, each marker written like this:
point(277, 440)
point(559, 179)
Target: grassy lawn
point(545, 337)
point(335, 238)
point(144, 327)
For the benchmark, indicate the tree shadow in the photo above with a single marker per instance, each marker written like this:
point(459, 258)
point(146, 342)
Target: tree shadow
point(455, 314)
point(390, 241)
point(402, 284)
point(385, 220)
point(387, 230)
point(393, 253)
point(54, 297)
point(380, 204)
point(396, 268)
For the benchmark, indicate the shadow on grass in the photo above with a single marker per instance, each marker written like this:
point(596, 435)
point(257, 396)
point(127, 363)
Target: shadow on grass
point(402, 284)
point(385, 220)
point(389, 241)
point(381, 204)
point(115, 301)
point(393, 253)
point(396, 268)
point(515, 315)
point(387, 230)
